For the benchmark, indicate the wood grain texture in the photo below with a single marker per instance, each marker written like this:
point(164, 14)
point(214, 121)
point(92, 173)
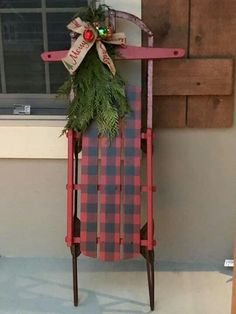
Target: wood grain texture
point(169, 22)
point(215, 37)
point(213, 25)
point(169, 112)
point(210, 111)
point(233, 309)
point(194, 77)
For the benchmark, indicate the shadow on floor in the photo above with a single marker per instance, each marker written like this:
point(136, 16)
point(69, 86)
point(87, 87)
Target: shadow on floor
point(44, 286)
point(26, 301)
point(40, 288)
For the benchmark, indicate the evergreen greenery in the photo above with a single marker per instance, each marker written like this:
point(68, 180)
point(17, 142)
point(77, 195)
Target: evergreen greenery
point(99, 96)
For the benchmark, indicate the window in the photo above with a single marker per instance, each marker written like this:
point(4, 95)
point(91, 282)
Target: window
point(27, 28)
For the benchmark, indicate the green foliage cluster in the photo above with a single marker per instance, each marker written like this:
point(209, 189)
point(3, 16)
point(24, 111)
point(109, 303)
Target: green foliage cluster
point(92, 14)
point(98, 95)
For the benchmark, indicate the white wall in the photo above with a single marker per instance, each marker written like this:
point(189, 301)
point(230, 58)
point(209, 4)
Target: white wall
point(195, 171)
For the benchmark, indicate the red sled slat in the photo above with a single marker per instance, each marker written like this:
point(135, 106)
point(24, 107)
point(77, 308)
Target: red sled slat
point(132, 174)
point(89, 192)
point(110, 199)
point(70, 192)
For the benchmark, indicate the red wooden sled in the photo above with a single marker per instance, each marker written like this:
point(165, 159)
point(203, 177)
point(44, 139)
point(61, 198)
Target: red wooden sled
point(109, 183)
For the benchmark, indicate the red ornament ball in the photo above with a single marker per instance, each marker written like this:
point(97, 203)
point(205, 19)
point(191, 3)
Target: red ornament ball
point(88, 35)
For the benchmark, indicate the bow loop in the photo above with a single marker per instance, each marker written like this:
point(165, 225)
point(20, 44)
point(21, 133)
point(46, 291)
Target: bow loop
point(88, 37)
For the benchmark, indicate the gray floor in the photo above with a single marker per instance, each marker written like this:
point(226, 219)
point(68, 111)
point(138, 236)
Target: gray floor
point(43, 286)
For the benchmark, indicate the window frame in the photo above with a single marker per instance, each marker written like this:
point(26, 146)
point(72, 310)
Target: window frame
point(46, 99)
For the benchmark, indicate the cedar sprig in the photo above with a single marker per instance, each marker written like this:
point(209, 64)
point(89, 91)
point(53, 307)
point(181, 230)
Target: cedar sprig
point(99, 96)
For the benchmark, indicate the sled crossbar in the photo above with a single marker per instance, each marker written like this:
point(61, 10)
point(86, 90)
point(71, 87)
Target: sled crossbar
point(125, 53)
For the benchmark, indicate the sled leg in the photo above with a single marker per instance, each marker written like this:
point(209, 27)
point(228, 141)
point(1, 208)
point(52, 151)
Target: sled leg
point(75, 252)
point(75, 275)
point(151, 277)
point(75, 249)
point(149, 257)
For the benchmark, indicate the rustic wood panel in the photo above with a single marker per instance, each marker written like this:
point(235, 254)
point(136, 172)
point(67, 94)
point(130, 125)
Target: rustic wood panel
point(194, 77)
point(213, 25)
point(169, 22)
point(210, 111)
point(169, 112)
point(215, 37)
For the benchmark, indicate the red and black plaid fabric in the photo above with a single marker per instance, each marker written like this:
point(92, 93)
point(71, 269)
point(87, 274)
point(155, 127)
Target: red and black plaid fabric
point(120, 189)
point(89, 193)
point(132, 176)
point(110, 199)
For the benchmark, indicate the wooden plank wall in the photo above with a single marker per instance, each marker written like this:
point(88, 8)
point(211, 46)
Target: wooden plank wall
point(162, 16)
point(216, 37)
point(196, 92)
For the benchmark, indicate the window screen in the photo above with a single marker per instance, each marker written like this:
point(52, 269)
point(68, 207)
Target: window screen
point(27, 28)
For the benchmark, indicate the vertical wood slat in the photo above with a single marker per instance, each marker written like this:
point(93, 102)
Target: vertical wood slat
point(110, 199)
point(169, 21)
point(215, 37)
point(132, 177)
point(70, 192)
point(89, 192)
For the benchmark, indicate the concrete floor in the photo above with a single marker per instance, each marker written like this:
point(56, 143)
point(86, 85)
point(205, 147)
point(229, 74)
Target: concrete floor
point(43, 286)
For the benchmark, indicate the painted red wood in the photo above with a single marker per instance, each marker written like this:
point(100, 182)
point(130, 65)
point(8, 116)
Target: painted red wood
point(150, 232)
point(126, 53)
point(142, 243)
point(143, 188)
point(70, 193)
point(132, 176)
point(139, 53)
point(110, 199)
point(89, 192)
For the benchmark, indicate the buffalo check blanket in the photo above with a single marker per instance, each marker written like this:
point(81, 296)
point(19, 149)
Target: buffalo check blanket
point(111, 189)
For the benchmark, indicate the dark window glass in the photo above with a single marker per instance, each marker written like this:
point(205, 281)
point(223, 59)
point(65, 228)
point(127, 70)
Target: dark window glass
point(23, 40)
point(8, 4)
point(58, 34)
point(58, 74)
point(58, 39)
point(22, 46)
point(66, 4)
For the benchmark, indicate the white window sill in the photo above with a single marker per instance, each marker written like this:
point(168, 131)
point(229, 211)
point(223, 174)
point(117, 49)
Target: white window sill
point(32, 137)
point(31, 117)
point(32, 120)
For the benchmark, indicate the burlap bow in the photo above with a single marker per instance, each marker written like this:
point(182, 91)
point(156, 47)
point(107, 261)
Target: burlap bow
point(81, 46)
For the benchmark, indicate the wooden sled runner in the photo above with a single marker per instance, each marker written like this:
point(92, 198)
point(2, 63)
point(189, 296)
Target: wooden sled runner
point(104, 190)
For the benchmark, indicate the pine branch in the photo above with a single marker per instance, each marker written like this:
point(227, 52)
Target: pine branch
point(99, 95)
